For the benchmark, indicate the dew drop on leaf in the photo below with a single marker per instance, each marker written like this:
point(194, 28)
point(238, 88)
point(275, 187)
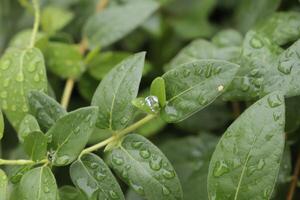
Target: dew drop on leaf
point(137, 188)
point(285, 67)
point(274, 101)
point(220, 168)
point(261, 164)
point(256, 43)
point(113, 195)
point(116, 160)
point(168, 174)
point(155, 164)
point(165, 190)
point(152, 103)
point(145, 153)
point(136, 144)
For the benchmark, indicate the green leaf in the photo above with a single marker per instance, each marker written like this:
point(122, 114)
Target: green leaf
point(70, 134)
point(93, 177)
point(247, 159)
point(46, 110)
point(193, 86)
point(116, 91)
point(104, 62)
point(87, 86)
point(22, 40)
point(190, 157)
point(227, 38)
point(55, 18)
point(281, 27)
point(64, 60)
point(152, 128)
point(70, 193)
point(35, 145)
point(38, 184)
point(3, 185)
point(1, 125)
point(144, 168)
point(21, 71)
point(28, 124)
point(202, 49)
point(249, 12)
point(114, 23)
point(158, 89)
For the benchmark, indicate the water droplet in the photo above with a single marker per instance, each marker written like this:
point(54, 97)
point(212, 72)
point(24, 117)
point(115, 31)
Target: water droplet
point(77, 130)
point(137, 144)
point(117, 160)
point(201, 99)
point(277, 115)
point(254, 72)
point(63, 160)
point(124, 120)
point(165, 190)
point(217, 70)
point(186, 72)
point(285, 67)
point(256, 42)
point(168, 174)
point(100, 176)
point(113, 195)
point(152, 103)
point(125, 174)
point(137, 188)
point(20, 77)
point(94, 165)
point(266, 193)
point(32, 67)
point(208, 71)
point(220, 168)
point(274, 101)
point(261, 164)
point(171, 112)
point(145, 153)
point(198, 71)
point(46, 189)
point(36, 78)
point(155, 164)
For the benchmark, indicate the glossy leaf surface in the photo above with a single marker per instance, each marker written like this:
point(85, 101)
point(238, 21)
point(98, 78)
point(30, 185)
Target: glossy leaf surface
point(70, 134)
point(35, 145)
point(144, 168)
point(21, 72)
point(193, 86)
point(239, 167)
point(116, 91)
point(93, 177)
point(113, 23)
point(46, 110)
point(38, 184)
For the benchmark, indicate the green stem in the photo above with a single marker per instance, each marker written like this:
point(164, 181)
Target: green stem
point(36, 22)
point(118, 134)
point(21, 162)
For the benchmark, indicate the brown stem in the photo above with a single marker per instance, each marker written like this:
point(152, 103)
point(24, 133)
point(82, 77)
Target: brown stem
point(101, 5)
point(236, 109)
point(294, 181)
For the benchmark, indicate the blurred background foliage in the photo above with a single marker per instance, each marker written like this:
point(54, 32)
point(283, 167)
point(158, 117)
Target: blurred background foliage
point(188, 144)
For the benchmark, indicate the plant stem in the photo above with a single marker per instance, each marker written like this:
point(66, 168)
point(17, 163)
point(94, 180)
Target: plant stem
point(67, 93)
point(118, 134)
point(101, 5)
point(36, 22)
point(21, 162)
point(294, 181)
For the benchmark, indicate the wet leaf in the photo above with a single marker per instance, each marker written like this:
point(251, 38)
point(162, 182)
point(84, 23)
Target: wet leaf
point(116, 91)
point(70, 134)
point(193, 86)
point(191, 162)
point(38, 184)
point(93, 177)
point(28, 124)
point(114, 23)
point(46, 110)
point(144, 168)
point(239, 167)
point(64, 60)
point(35, 145)
point(21, 72)
point(158, 89)
point(70, 193)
